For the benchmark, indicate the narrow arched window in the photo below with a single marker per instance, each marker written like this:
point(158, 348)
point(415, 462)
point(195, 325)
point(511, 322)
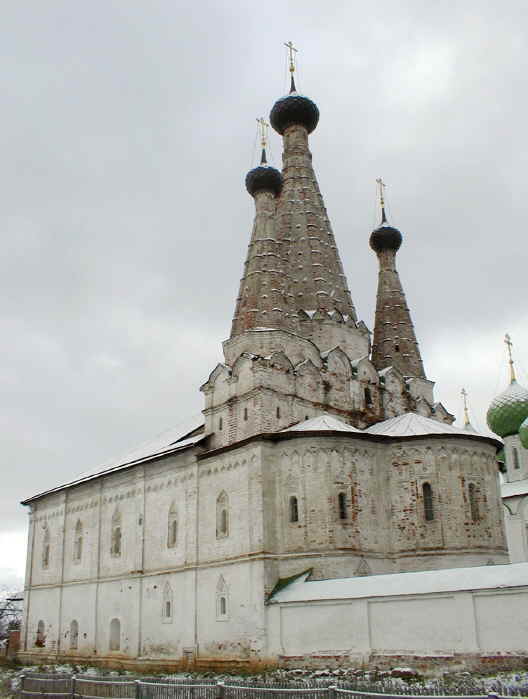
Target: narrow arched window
point(78, 542)
point(368, 396)
point(473, 502)
point(220, 424)
point(245, 414)
point(40, 641)
point(172, 527)
point(427, 493)
point(342, 503)
point(167, 602)
point(222, 599)
point(516, 463)
point(74, 635)
point(294, 509)
point(277, 413)
point(222, 515)
point(116, 537)
point(46, 548)
point(115, 635)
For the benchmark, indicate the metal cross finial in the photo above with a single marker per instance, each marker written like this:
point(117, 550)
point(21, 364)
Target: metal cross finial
point(264, 126)
point(466, 413)
point(292, 51)
point(509, 345)
point(381, 184)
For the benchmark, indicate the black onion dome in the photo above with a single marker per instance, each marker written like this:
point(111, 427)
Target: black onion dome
point(264, 179)
point(294, 109)
point(385, 238)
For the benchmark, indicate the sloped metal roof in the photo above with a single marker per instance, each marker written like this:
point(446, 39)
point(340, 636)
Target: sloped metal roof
point(184, 435)
point(321, 423)
point(422, 582)
point(413, 425)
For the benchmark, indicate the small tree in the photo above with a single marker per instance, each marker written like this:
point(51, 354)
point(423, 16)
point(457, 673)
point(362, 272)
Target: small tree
point(11, 603)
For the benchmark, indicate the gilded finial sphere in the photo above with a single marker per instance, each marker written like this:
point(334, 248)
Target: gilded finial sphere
point(294, 110)
point(385, 238)
point(508, 411)
point(264, 179)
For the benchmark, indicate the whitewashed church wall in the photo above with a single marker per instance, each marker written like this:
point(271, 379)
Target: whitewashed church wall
point(118, 508)
point(240, 632)
point(48, 524)
point(235, 475)
point(44, 605)
point(83, 613)
point(429, 624)
point(167, 635)
point(170, 495)
point(82, 520)
point(119, 599)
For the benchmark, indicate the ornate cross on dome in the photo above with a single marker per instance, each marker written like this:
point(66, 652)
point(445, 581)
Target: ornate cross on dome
point(466, 412)
point(509, 345)
point(381, 184)
point(263, 127)
point(291, 52)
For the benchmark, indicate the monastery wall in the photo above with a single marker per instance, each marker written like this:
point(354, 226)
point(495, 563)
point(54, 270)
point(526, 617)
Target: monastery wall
point(461, 624)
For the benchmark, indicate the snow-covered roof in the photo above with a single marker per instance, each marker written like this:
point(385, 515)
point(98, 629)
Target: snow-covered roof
point(322, 422)
point(172, 440)
point(422, 582)
point(508, 490)
point(414, 425)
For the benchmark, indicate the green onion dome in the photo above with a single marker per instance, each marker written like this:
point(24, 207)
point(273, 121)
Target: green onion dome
point(523, 433)
point(508, 410)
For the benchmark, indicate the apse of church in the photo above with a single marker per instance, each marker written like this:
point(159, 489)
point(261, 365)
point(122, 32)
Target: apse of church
point(317, 452)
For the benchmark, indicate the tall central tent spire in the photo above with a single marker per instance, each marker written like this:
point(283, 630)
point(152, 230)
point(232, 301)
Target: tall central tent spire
point(316, 280)
point(394, 338)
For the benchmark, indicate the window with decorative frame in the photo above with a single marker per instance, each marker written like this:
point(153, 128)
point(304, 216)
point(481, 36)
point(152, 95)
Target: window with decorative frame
point(74, 634)
point(46, 548)
point(40, 640)
point(115, 635)
point(167, 604)
point(293, 506)
point(342, 505)
point(78, 542)
point(473, 502)
point(116, 535)
point(222, 515)
point(428, 505)
point(222, 600)
point(172, 527)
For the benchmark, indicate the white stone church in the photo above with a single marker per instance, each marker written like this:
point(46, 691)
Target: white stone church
point(325, 507)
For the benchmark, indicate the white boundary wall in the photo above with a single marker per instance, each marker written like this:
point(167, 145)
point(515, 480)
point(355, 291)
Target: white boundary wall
point(491, 621)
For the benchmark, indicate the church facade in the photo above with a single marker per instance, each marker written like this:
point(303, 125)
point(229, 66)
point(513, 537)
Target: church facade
point(321, 454)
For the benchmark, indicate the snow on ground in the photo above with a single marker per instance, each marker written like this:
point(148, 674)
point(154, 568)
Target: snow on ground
point(399, 680)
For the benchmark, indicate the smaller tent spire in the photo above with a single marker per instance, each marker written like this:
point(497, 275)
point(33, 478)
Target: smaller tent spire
point(263, 126)
point(381, 184)
point(509, 345)
point(291, 51)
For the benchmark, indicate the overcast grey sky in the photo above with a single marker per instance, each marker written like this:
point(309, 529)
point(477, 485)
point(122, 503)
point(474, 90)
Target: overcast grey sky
point(127, 130)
